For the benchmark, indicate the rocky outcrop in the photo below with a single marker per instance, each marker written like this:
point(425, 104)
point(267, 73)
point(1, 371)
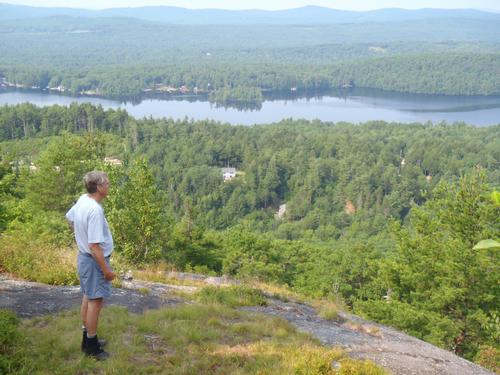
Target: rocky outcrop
point(28, 299)
point(400, 353)
point(396, 351)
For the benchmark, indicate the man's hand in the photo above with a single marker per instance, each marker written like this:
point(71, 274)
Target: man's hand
point(110, 275)
point(97, 253)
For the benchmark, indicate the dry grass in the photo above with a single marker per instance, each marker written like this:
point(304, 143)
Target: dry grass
point(280, 292)
point(159, 273)
point(193, 339)
point(38, 260)
point(364, 328)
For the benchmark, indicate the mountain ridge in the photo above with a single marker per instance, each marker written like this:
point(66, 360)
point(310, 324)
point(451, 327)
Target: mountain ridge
point(308, 14)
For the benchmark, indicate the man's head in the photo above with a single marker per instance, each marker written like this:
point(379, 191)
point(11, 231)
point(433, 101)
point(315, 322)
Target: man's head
point(96, 182)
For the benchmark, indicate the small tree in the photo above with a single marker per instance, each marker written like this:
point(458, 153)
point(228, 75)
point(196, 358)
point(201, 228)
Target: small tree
point(135, 213)
point(57, 180)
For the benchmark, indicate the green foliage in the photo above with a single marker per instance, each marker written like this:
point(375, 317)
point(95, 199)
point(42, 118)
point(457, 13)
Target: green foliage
point(28, 121)
point(9, 339)
point(8, 196)
point(317, 169)
point(342, 185)
point(232, 296)
point(453, 56)
point(249, 255)
point(57, 181)
point(440, 288)
point(191, 248)
point(427, 325)
point(135, 213)
point(8, 331)
point(228, 95)
point(341, 272)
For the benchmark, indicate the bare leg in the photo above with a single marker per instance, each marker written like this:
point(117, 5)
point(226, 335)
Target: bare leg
point(83, 310)
point(93, 310)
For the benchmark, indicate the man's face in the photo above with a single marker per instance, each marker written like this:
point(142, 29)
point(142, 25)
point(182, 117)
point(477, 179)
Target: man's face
point(103, 189)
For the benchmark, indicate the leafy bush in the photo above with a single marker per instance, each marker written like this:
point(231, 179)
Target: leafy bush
point(426, 325)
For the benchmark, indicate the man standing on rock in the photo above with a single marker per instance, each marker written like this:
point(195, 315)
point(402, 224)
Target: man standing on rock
point(95, 245)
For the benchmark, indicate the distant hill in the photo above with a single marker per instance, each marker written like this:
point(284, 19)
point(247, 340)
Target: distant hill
point(304, 15)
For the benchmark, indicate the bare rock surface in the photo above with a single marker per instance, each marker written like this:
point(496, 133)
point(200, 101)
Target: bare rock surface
point(400, 353)
point(396, 351)
point(28, 299)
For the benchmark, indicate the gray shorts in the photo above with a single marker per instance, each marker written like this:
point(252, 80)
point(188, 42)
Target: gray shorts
point(92, 281)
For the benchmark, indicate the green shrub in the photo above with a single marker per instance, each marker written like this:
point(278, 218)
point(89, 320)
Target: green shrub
point(426, 325)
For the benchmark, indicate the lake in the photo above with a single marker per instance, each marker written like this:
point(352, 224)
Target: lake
point(358, 105)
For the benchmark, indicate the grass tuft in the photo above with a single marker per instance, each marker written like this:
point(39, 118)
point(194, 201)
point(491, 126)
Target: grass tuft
point(9, 338)
point(232, 296)
point(328, 310)
point(329, 313)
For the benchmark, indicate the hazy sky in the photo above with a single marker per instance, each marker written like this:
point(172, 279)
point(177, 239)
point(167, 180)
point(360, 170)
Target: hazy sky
point(271, 5)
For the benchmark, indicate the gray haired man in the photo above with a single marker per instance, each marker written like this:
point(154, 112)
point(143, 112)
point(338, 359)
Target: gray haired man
point(95, 245)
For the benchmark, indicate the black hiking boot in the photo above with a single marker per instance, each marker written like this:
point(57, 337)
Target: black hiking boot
point(92, 349)
point(102, 342)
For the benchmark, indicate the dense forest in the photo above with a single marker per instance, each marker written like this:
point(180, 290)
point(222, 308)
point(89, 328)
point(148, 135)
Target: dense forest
point(124, 58)
point(383, 217)
point(396, 222)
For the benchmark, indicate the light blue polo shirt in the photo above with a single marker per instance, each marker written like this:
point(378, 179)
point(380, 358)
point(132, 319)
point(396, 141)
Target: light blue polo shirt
point(90, 225)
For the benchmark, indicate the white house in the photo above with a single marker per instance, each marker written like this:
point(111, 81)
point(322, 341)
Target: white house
point(228, 173)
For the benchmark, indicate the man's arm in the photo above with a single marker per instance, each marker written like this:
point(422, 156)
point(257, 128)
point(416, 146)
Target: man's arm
point(98, 255)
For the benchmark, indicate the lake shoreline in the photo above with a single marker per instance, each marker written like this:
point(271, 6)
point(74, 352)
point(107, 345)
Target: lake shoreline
point(268, 95)
point(354, 105)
